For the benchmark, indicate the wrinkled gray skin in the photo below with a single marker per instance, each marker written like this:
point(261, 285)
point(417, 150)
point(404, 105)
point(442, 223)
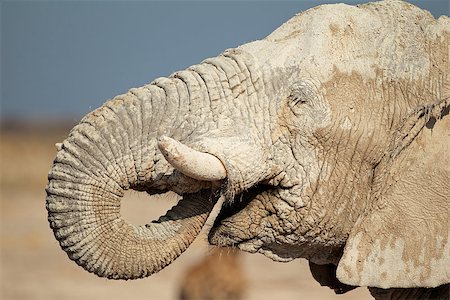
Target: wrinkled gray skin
point(333, 131)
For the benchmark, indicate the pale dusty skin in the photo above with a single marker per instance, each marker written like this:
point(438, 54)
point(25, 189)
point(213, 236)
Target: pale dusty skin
point(333, 133)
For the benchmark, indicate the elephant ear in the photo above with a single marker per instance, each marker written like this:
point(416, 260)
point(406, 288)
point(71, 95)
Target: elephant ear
point(403, 238)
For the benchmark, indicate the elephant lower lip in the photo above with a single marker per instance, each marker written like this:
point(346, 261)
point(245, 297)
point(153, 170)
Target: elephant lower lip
point(230, 208)
point(239, 202)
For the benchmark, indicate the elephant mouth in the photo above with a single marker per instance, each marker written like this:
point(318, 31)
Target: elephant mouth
point(219, 234)
point(237, 225)
point(239, 202)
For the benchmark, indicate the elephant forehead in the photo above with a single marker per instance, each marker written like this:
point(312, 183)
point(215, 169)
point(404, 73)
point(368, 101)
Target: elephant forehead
point(388, 36)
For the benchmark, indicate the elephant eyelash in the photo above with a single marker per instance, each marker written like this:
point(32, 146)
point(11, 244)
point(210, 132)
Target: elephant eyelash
point(296, 99)
point(302, 92)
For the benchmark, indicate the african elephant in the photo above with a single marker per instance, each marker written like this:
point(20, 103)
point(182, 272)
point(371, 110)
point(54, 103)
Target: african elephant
point(327, 140)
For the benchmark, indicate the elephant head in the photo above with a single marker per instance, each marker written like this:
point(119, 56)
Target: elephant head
point(326, 140)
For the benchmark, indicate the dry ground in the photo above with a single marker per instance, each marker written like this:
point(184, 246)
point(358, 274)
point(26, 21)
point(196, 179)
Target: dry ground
point(34, 267)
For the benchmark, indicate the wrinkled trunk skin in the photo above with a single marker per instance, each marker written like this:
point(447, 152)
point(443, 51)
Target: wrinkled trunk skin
point(217, 107)
point(114, 148)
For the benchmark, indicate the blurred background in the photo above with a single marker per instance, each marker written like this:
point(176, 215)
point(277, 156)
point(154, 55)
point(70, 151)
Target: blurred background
point(62, 59)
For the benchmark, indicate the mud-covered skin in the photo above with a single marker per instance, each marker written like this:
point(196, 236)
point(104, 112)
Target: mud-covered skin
point(332, 131)
point(351, 78)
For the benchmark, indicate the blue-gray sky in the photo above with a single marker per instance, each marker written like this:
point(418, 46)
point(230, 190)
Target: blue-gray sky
point(61, 59)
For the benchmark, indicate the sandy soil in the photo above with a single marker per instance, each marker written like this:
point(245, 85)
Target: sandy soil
point(34, 267)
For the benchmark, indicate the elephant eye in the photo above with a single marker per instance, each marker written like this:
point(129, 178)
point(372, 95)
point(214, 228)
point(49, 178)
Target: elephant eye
point(302, 92)
point(296, 99)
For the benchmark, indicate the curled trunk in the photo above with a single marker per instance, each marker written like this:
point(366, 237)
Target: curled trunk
point(114, 148)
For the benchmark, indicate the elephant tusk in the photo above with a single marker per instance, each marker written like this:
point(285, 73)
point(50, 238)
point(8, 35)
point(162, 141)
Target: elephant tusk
point(192, 163)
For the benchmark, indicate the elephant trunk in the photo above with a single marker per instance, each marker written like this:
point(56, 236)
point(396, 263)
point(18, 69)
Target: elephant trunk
point(113, 149)
point(217, 121)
